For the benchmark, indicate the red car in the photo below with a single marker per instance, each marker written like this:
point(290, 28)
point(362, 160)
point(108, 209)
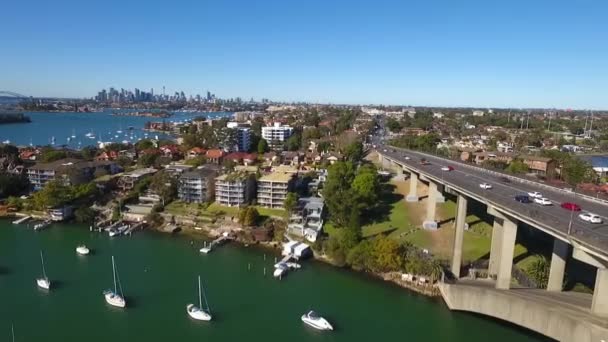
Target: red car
point(571, 206)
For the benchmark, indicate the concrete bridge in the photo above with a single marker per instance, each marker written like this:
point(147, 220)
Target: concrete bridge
point(572, 237)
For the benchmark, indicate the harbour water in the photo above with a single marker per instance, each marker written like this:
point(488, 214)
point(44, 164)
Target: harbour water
point(158, 275)
point(103, 125)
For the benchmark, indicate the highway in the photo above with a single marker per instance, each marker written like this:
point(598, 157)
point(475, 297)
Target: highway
point(553, 219)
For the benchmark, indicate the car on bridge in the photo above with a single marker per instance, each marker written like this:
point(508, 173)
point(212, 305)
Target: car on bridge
point(590, 217)
point(571, 206)
point(535, 194)
point(447, 168)
point(543, 201)
point(485, 186)
point(505, 179)
point(522, 199)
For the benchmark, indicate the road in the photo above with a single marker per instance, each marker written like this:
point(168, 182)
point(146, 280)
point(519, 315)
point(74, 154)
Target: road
point(552, 218)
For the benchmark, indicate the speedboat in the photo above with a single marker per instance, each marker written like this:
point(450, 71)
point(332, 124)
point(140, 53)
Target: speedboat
point(42, 225)
point(316, 321)
point(279, 270)
point(114, 299)
point(44, 283)
point(82, 250)
point(197, 313)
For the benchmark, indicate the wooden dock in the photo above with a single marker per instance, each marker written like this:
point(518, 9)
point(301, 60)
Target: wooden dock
point(22, 220)
point(216, 242)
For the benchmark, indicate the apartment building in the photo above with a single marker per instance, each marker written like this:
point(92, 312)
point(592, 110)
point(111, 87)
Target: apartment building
point(128, 180)
point(196, 186)
point(243, 136)
point(235, 189)
point(273, 189)
point(277, 134)
point(69, 170)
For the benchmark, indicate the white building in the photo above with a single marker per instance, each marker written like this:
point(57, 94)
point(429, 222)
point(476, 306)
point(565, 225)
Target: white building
point(275, 135)
point(478, 113)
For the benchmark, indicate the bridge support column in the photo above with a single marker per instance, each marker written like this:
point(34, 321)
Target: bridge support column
point(440, 190)
point(558, 265)
point(461, 215)
point(507, 246)
point(599, 305)
point(413, 194)
point(495, 247)
point(431, 208)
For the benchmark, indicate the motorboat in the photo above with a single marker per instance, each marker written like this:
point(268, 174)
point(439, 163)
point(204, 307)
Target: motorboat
point(293, 265)
point(82, 250)
point(197, 312)
point(114, 297)
point(279, 270)
point(316, 321)
point(42, 225)
point(43, 282)
point(118, 231)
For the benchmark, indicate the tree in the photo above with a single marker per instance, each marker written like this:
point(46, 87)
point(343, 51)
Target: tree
point(248, 216)
point(196, 161)
point(393, 125)
point(124, 162)
point(337, 192)
point(294, 142)
point(539, 271)
point(53, 194)
point(354, 152)
point(323, 146)
point(12, 184)
point(147, 160)
point(366, 186)
point(52, 155)
point(162, 184)
point(576, 171)
point(84, 215)
point(88, 152)
point(517, 166)
point(291, 200)
point(144, 144)
point(262, 146)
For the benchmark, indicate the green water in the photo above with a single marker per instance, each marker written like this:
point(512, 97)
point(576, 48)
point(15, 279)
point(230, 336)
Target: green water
point(158, 275)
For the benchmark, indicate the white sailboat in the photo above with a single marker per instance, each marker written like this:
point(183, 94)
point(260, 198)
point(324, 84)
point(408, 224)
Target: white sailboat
point(115, 298)
point(44, 282)
point(199, 313)
point(73, 134)
point(13, 332)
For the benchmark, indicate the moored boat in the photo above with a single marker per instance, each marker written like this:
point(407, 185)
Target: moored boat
point(314, 320)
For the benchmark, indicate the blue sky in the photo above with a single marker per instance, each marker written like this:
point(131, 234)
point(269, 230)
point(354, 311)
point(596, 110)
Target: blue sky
point(532, 53)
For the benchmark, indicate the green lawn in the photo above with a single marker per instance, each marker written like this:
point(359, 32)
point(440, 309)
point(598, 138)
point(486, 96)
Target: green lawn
point(182, 208)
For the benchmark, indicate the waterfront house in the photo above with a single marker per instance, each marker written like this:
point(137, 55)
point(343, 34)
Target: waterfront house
point(306, 220)
point(128, 180)
point(273, 188)
point(235, 189)
point(107, 156)
point(170, 151)
point(196, 186)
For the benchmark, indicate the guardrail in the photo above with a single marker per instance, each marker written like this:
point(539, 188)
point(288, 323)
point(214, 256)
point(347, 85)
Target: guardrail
point(511, 177)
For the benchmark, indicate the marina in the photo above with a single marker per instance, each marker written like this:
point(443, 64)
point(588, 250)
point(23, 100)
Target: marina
point(158, 274)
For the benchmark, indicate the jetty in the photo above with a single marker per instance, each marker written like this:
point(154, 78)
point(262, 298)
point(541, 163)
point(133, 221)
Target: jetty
point(133, 228)
point(216, 242)
point(22, 220)
point(281, 267)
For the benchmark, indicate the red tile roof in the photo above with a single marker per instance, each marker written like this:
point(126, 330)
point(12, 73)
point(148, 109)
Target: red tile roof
point(215, 154)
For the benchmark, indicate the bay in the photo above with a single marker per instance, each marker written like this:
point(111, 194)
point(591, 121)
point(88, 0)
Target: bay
point(158, 274)
point(45, 126)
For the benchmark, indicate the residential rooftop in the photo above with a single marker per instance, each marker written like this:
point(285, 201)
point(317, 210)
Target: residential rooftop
point(277, 177)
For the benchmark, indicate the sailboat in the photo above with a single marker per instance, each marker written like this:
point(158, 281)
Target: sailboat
point(13, 332)
point(197, 312)
point(43, 282)
point(113, 297)
point(73, 134)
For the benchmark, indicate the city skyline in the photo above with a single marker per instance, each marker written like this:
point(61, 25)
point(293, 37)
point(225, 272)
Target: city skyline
point(545, 54)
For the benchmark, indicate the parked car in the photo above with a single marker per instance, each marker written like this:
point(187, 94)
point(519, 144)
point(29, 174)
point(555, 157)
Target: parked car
point(447, 168)
point(590, 217)
point(535, 194)
point(522, 199)
point(571, 206)
point(485, 186)
point(543, 201)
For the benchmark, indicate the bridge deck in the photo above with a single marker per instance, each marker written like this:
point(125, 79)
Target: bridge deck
point(565, 316)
